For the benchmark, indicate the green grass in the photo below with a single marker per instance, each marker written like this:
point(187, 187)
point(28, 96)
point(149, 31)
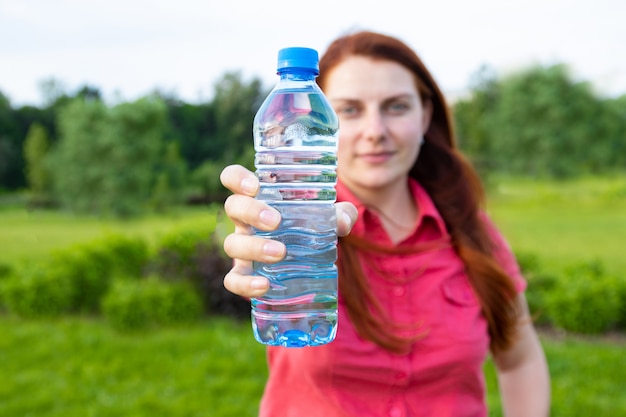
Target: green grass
point(76, 367)
point(564, 222)
point(33, 234)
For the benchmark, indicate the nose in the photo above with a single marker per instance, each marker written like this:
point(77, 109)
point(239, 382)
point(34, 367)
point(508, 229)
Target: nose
point(374, 126)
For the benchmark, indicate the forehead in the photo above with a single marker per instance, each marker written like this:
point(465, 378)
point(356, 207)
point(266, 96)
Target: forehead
point(359, 77)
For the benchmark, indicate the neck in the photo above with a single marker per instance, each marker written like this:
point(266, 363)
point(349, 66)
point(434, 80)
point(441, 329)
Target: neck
point(395, 205)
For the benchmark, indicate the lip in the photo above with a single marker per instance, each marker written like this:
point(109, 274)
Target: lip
point(376, 157)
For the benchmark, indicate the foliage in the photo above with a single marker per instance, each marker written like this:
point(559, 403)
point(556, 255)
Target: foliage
point(206, 181)
point(585, 300)
point(195, 256)
point(175, 251)
point(540, 284)
point(235, 105)
point(186, 255)
point(537, 121)
point(540, 122)
point(73, 279)
point(34, 292)
point(91, 267)
point(620, 290)
point(139, 304)
point(106, 158)
point(171, 180)
point(38, 174)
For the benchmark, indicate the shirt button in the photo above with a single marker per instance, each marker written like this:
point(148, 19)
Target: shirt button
point(399, 291)
point(395, 411)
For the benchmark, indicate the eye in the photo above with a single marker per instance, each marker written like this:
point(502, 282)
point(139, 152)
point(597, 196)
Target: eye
point(348, 110)
point(398, 107)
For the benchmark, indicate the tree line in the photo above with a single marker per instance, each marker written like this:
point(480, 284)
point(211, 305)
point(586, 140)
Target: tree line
point(78, 152)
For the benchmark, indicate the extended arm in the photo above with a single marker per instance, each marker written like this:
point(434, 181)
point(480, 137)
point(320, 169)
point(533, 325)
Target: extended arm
point(523, 374)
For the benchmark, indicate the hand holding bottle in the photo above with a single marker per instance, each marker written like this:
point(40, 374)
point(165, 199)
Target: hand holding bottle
point(246, 212)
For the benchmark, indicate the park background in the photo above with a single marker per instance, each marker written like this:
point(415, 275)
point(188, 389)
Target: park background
point(111, 300)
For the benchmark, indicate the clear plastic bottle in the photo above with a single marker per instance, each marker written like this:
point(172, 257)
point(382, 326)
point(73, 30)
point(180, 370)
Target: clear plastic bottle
point(295, 138)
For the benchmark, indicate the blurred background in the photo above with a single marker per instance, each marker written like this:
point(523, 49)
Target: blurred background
point(116, 119)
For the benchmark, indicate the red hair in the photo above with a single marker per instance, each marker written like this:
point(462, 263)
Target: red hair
point(456, 191)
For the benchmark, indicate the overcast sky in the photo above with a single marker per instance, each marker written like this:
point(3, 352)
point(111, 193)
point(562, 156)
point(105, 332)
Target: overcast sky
point(129, 48)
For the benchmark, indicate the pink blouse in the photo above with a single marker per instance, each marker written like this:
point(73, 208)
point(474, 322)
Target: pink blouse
point(441, 376)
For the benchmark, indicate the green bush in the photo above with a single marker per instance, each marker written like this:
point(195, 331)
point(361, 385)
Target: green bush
point(135, 305)
point(127, 255)
point(620, 290)
point(175, 253)
point(212, 266)
point(585, 300)
point(34, 292)
point(5, 270)
point(192, 255)
point(91, 267)
point(540, 284)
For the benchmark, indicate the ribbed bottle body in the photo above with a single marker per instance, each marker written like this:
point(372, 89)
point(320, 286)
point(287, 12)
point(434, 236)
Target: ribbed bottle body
point(296, 133)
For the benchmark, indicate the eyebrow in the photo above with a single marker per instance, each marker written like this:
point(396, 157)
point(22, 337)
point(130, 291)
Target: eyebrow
point(391, 98)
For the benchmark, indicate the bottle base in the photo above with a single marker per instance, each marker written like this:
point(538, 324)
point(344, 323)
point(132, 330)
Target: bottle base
point(294, 330)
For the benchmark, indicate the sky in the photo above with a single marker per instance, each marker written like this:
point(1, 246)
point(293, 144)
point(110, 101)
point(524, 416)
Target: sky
point(130, 48)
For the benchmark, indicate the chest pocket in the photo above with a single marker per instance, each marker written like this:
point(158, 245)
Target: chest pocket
point(461, 310)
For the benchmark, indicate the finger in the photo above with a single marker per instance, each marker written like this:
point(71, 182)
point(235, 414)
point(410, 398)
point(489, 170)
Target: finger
point(246, 211)
point(240, 282)
point(250, 248)
point(239, 180)
point(346, 217)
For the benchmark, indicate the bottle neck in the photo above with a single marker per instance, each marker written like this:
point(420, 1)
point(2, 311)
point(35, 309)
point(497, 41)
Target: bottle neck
point(297, 75)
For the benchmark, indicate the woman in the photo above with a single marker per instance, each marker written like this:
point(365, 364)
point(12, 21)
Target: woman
point(427, 285)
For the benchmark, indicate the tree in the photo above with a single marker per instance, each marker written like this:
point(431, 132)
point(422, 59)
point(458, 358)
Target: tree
point(235, 105)
point(193, 127)
point(106, 158)
point(11, 162)
point(538, 122)
point(472, 118)
point(171, 179)
point(37, 175)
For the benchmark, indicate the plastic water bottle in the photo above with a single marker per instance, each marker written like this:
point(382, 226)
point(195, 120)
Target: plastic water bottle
point(295, 138)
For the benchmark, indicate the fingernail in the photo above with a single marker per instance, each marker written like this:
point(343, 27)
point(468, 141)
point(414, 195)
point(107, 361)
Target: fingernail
point(272, 248)
point(269, 217)
point(249, 185)
point(258, 283)
point(346, 218)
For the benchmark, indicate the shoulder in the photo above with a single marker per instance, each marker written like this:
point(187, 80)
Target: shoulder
point(503, 252)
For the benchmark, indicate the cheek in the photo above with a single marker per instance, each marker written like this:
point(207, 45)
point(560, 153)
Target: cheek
point(344, 144)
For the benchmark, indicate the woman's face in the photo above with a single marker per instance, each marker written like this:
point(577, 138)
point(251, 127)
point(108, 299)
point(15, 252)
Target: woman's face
point(382, 122)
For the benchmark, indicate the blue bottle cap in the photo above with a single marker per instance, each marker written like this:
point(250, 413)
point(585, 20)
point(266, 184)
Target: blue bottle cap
point(298, 58)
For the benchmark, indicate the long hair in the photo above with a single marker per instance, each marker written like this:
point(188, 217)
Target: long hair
point(456, 191)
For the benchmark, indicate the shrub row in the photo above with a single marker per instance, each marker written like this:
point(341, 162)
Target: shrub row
point(583, 299)
point(181, 279)
point(132, 286)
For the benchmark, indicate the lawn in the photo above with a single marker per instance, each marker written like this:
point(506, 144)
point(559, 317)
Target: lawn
point(564, 222)
point(33, 234)
point(77, 366)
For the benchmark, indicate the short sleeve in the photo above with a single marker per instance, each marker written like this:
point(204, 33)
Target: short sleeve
point(504, 254)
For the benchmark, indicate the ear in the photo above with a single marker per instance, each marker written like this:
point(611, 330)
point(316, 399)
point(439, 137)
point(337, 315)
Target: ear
point(427, 115)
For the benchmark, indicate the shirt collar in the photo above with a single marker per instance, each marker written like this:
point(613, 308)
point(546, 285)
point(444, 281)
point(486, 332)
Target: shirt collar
point(422, 199)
